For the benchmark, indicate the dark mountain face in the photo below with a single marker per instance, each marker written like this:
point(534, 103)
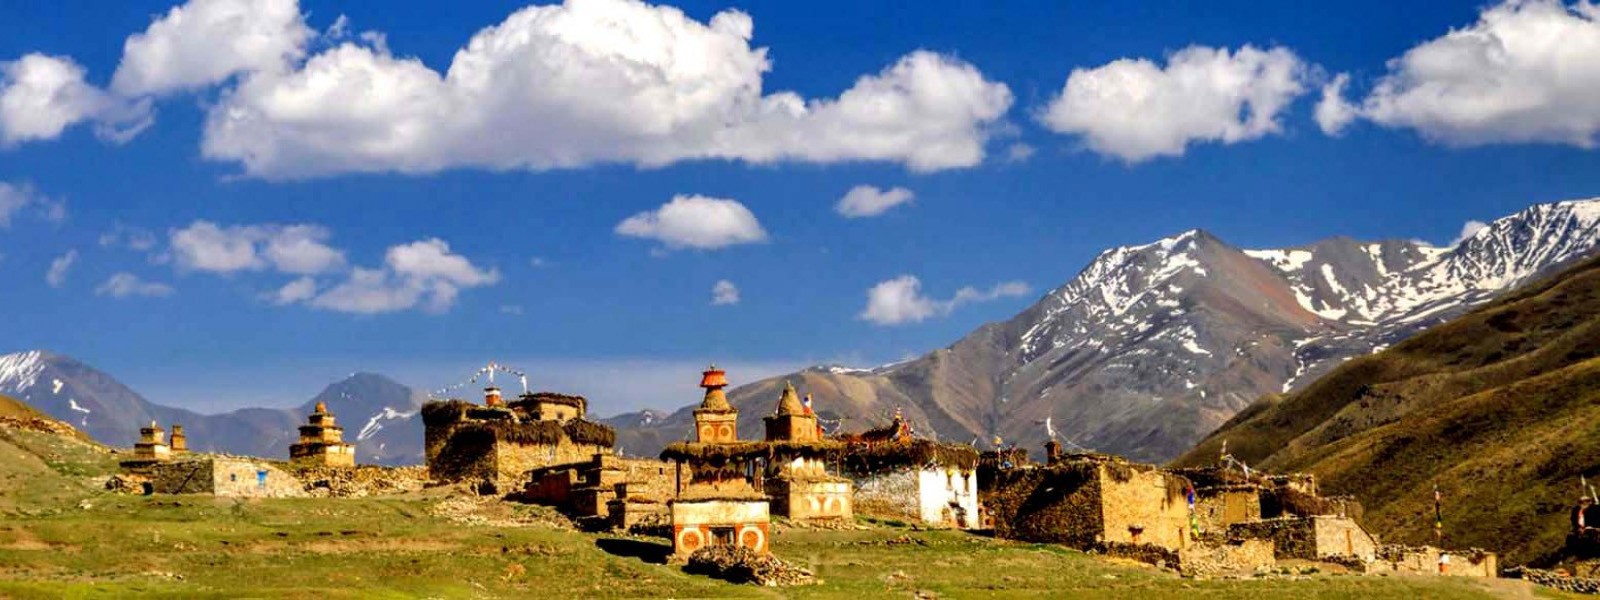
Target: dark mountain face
point(1151, 347)
point(375, 411)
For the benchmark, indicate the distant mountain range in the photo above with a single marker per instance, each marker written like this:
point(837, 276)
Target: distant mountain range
point(376, 412)
point(1153, 346)
point(1499, 410)
point(1147, 350)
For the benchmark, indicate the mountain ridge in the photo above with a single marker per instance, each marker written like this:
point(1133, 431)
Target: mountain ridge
point(1151, 346)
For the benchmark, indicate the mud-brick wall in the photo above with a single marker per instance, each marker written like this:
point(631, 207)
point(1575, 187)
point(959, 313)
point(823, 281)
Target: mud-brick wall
point(1058, 504)
point(1143, 507)
point(810, 499)
point(1339, 536)
point(890, 495)
point(512, 461)
point(1217, 509)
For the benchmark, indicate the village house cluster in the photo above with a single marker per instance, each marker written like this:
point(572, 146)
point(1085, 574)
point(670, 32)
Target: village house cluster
point(715, 488)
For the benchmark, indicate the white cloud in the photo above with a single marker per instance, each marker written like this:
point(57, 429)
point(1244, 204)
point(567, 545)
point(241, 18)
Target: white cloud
point(57, 275)
point(1526, 71)
point(299, 290)
point(423, 273)
point(698, 222)
point(123, 285)
point(1333, 112)
point(900, 300)
point(511, 309)
point(869, 201)
point(1468, 230)
point(17, 198)
point(40, 96)
point(538, 262)
point(724, 293)
point(1135, 110)
point(204, 42)
point(1019, 152)
point(133, 238)
point(587, 82)
point(295, 249)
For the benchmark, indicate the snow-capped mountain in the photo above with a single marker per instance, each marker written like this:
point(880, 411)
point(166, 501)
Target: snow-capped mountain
point(1152, 346)
point(375, 411)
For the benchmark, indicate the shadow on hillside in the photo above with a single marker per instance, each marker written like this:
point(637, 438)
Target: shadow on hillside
point(649, 552)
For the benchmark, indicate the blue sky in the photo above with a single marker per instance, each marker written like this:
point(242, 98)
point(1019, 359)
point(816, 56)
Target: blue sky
point(511, 197)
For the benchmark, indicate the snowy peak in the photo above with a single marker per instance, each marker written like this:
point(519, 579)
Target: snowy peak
point(21, 370)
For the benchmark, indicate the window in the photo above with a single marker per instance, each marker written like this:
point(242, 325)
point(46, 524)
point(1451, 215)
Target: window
point(722, 536)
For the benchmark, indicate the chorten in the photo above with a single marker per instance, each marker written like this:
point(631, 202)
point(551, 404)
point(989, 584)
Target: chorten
point(152, 444)
point(180, 442)
point(716, 421)
point(491, 397)
point(791, 421)
point(322, 442)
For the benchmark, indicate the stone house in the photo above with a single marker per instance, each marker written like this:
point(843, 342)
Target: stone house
point(227, 476)
point(1314, 537)
point(899, 476)
point(498, 443)
point(1089, 501)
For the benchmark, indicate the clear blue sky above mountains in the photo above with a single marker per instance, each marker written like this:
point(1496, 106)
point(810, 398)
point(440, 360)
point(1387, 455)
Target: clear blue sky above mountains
point(228, 202)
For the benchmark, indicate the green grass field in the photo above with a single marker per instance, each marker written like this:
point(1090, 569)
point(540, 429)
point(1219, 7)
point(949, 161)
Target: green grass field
point(61, 537)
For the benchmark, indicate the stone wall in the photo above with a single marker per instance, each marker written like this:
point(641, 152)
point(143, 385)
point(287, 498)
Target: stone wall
point(1058, 504)
point(1424, 560)
point(890, 495)
point(1561, 581)
point(1238, 556)
point(225, 476)
point(1311, 538)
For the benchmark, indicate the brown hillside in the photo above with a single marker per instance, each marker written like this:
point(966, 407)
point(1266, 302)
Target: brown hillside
point(1499, 408)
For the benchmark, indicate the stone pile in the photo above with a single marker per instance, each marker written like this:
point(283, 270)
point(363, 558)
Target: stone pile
point(38, 424)
point(362, 481)
point(1563, 582)
point(738, 564)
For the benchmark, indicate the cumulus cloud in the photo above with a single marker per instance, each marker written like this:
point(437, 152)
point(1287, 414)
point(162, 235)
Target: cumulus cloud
point(869, 201)
point(1136, 110)
point(204, 42)
point(22, 198)
point(295, 249)
point(724, 293)
point(1333, 112)
point(1524, 72)
point(1471, 228)
point(41, 96)
point(123, 285)
point(299, 290)
point(593, 81)
point(698, 222)
point(900, 300)
point(422, 274)
point(57, 275)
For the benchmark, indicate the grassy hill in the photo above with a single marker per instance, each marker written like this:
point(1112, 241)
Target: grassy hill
point(1499, 408)
point(62, 536)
